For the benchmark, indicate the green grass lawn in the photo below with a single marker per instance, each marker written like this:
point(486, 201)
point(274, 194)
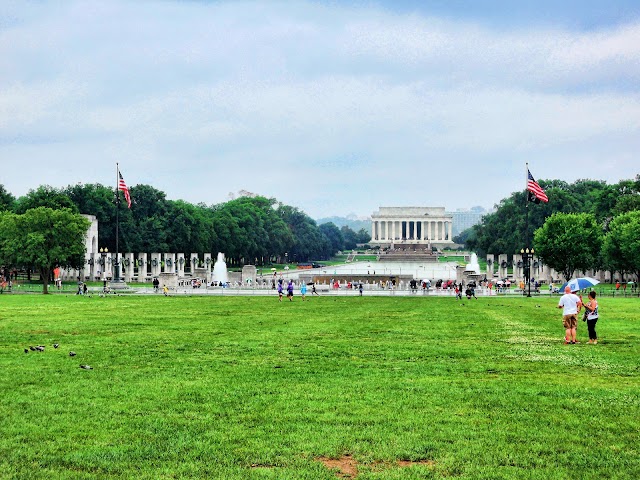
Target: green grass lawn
point(249, 388)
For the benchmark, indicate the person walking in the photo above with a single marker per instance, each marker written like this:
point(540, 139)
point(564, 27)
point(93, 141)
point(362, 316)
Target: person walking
point(279, 291)
point(592, 317)
point(303, 290)
point(570, 304)
point(290, 290)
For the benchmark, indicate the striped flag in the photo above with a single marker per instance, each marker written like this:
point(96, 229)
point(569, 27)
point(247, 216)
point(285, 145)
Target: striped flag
point(123, 187)
point(536, 193)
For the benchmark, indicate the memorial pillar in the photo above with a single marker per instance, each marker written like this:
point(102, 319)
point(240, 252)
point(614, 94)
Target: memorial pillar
point(502, 266)
point(208, 264)
point(450, 225)
point(127, 267)
point(169, 263)
point(518, 268)
point(142, 267)
point(490, 261)
point(194, 263)
point(155, 264)
point(180, 264)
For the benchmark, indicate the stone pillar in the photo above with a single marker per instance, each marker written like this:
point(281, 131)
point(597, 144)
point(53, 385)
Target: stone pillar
point(194, 261)
point(490, 265)
point(180, 261)
point(142, 267)
point(502, 266)
point(170, 263)
point(518, 268)
point(450, 225)
point(155, 264)
point(208, 264)
point(90, 265)
point(127, 267)
point(393, 231)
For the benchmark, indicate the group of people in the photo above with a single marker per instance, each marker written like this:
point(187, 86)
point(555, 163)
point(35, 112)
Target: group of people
point(290, 287)
point(571, 304)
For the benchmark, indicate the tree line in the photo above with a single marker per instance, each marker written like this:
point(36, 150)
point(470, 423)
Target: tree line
point(586, 225)
point(249, 230)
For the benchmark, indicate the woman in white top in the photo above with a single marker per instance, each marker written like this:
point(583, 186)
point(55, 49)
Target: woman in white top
point(592, 317)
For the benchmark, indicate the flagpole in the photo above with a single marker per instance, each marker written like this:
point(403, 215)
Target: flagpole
point(526, 201)
point(117, 265)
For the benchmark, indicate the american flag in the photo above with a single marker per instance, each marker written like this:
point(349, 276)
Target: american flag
point(537, 193)
point(123, 186)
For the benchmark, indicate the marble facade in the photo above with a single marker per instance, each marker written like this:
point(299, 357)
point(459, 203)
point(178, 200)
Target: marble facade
point(411, 225)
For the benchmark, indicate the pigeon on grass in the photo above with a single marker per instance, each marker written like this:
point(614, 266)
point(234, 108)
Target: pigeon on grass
point(86, 367)
point(72, 354)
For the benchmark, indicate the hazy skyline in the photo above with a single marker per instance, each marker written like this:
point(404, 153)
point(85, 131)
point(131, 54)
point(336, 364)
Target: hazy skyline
point(332, 107)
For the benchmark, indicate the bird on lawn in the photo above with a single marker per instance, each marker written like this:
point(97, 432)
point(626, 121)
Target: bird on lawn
point(56, 345)
point(72, 354)
point(86, 367)
point(32, 348)
point(26, 350)
point(40, 348)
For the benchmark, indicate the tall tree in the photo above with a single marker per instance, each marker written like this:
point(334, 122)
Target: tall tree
point(7, 201)
point(308, 241)
point(350, 238)
point(334, 234)
point(43, 238)
point(622, 244)
point(569, 242)
point(98, 200)
point(45, 196)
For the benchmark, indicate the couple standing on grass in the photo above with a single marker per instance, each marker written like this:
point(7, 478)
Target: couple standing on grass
point(571, 305)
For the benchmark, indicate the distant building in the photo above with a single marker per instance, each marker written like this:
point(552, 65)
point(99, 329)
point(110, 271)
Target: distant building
point(463, 219)
point(411, 225)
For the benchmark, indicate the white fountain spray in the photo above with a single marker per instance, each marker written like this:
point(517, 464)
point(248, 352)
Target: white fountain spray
point(220, 269)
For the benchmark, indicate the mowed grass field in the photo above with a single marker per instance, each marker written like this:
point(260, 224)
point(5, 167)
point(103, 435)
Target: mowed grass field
point(354, 387)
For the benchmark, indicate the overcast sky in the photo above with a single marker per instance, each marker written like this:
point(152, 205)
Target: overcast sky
point(333, 107)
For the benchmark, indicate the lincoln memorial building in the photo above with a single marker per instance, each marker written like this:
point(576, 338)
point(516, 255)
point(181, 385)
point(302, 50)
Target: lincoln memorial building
point(411, 226)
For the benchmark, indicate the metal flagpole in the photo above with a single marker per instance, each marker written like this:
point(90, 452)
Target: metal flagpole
point(527, 247)
point(117, 264)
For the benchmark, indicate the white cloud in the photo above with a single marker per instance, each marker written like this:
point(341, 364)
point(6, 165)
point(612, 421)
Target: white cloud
point(332, 109)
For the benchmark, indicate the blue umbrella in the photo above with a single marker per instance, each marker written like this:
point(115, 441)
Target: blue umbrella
point(580, 283)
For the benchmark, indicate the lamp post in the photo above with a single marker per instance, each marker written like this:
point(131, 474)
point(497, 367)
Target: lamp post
point(527, 256)
point(103, 261)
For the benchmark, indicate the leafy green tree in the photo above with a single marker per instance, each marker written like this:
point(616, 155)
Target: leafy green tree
point(45, 196)
point(308, 241)
point(43, 238)
point(465, 237)
point(363, 236)
point(621, 248)
point(144, 226)
point(568, 242)
point(350, 238)
point(334, 235)
point(505, 230)
point(7, 201)
point(98, 200)
point(189, 230)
